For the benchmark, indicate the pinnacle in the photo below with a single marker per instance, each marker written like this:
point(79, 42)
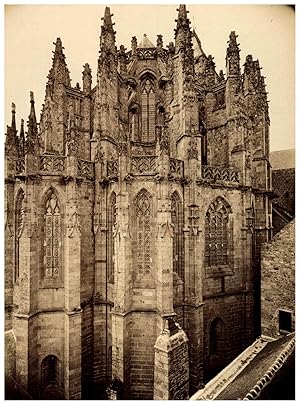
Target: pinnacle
point(22, 128)
point(182, 30)
point(233, 46)
point(13, 117)
point(58, 46)
point(182, 12)
point(87, 69)
point(107, 37)
point(58, 62)
point(107, 21)
point(182, 20)
point(32, 124)
point(32, 109)
point(107, 16)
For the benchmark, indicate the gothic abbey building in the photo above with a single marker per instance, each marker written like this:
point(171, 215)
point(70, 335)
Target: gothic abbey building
point(135, 211)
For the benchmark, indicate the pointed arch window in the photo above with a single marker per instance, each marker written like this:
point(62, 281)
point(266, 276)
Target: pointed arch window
point(19, 221)
point(218, 234)
point(177, 221)
point(110, 245)
point(148, 110)
point(52, 237)
point(143, 232)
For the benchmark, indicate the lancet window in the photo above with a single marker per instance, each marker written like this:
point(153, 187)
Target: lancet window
point(148, 110)
point(52, 237)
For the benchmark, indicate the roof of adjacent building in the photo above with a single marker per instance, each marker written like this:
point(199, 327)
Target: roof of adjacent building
point(248, 375)
point(282, 159)
point(283, 183)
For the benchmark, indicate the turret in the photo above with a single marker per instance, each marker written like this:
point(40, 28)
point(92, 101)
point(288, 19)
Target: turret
point(184, 87)
point(53, 117)
point(233, 74)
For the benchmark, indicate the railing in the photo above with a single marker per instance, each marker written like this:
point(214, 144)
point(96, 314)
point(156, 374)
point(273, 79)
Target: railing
point(85, 168)
point(52, 164)
point(143, 164)
point(176, 167)
point(112, 168)
point(217, 174)
point(20, 165)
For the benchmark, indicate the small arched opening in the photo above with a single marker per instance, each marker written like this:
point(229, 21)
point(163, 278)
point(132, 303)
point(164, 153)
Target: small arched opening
point(50, 386)
point(216, 348)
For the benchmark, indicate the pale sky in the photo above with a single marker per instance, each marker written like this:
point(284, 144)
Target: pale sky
point(265, 31)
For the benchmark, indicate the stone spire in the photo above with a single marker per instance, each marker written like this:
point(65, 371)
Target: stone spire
point(32, 132)
point(59, 73)
point(183, 33)
point(233, 56)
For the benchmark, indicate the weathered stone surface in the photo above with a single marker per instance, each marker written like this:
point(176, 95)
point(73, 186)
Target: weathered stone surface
point(109, 220)
point(278, 280)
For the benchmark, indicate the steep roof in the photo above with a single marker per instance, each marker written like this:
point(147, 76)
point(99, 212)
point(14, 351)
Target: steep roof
point(283, 182)
point(145, 43)
point(249, 374)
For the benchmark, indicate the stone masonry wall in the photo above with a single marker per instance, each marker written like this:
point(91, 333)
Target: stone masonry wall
point(231, 310)
point(142, 340)
point(87, 338)
point(278, 279)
